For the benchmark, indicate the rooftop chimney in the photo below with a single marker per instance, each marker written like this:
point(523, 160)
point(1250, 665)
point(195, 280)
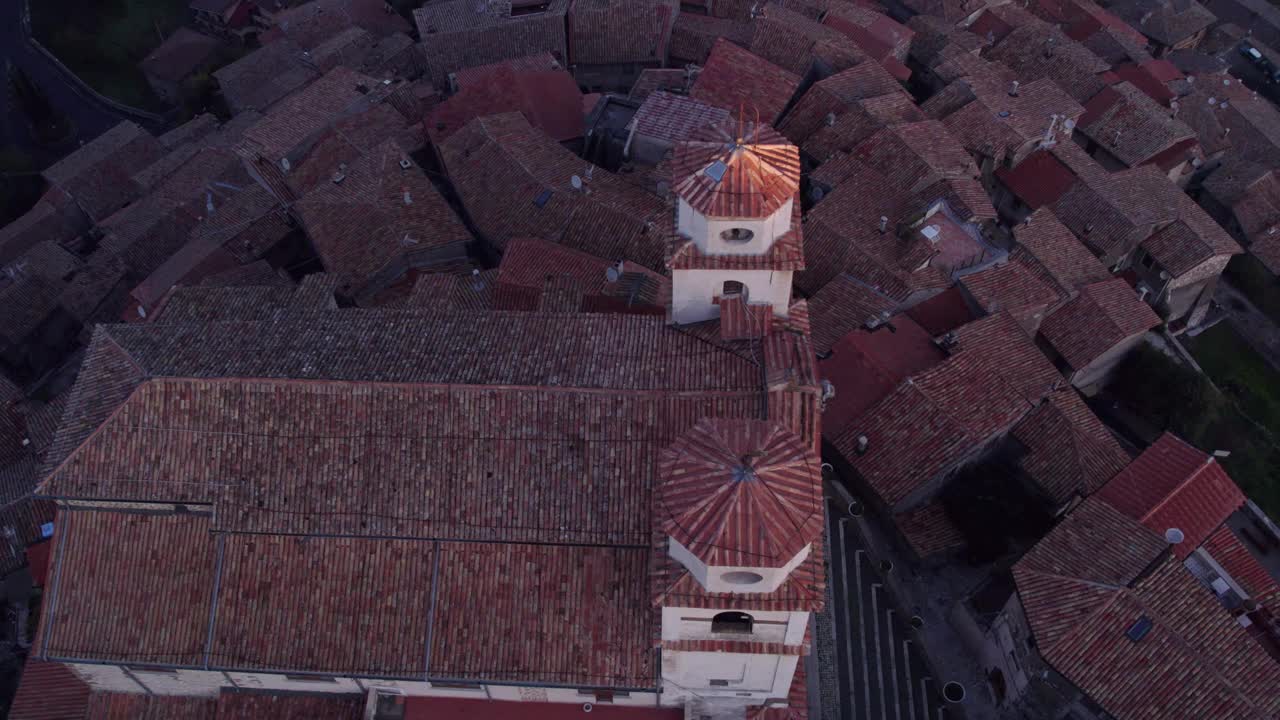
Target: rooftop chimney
point(884, 223)
point(863, 444)
point(1013, 89)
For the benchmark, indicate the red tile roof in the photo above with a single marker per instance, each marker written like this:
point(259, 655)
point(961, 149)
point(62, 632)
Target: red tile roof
point(937, 418)
point(739, 81)
point(605, 32)
point(674, 80)
point(528, 264)
point(295, 119)
point(181, 54)
point(97, 175)
point(120, 593)
point(1127, 123)
point(836, 95)
point(263, 77)
point(740, 320)
point(876, 33)
point(311, 23)
point(842, 306)
point(866, 365)
point(1069, 451)
point(912, 156)
point(796, 41)
point(736, 171)
point(740, 493)
point(674, 118)
point(929, 531)
point(458, 34)
point(1173, 485)
point(549, 99)
point(994, 123)
point(942, 313)
point(516, 182)
point(1035, 51)
point(694, 35)
point(1102, 316)
point(380, 218)
point(1039, 180)
point(1050, 249)
point(1179, 248)
point(49, 691)
point(1090, 581)
point(1234, 555)
point(1012, 286)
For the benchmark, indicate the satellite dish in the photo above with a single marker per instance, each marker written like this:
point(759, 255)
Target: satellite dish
point(576, 182)
point(611, 274)
point(1069, 124)
point(1173, 536)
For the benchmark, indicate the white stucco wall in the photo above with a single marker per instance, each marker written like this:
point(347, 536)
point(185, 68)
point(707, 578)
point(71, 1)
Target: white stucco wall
point(693, 291)
point(705, 231)
point(114, 678)
point(682, 623)
point(751, 678)
point(711, 577)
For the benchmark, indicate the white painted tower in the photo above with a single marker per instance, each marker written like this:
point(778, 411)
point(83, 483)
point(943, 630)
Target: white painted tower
point(738, 511)
point(738, 220)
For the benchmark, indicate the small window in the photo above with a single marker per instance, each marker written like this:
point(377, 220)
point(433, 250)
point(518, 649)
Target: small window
point(733, 287)
point(737, 235)
point(742, 577)
point(528, 7)
point(311, 678)
point(1147, 261)
point(719, 683)
point(732, 622)
point(153, 670)
point(457, 686)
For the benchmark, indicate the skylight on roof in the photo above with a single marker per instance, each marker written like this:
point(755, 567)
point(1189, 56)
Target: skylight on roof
point(716, 170)
point(543, 198)
point(1139, 629)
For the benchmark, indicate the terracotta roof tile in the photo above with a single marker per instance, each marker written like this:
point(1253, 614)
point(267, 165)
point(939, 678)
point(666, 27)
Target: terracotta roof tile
point(929, 531)
point(311, 23)
point(182, 53)
point(1234, 555)
point(1173, 485)
point(993, 122)
point(1068, 450)
point(1038, 51)
point(1059, 257)
point(650, 80)
point(795, 42)
point(550, 99)
point(119, 595)
point(674, 118)
point(458, 34)
point(528, 264)
point(876, 33)
point(693, 36)
point(841, 306)
point(381, 218)
point(740, 493)
point(834, 96)
point(295, 119)
point(1014, 287)
point(516, 182)
point(1127, 123)
point(603, 32)
point(1165, 21)
point(97, 175)
point(49, 691)
point(942, 313)
point(760, 175)
point(734, 77)
point(1103, 315)
point(263, 77)
point(1084, 588)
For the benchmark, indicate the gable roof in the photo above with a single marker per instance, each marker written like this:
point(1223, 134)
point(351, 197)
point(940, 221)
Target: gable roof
point(795, 41)
point(1102, 316)
point(1168, 22)
point(380, 213)
point(751, 175)
point(734, 78)
point(314, 22)
point(529, 265)
point(458, 34)
point(1085, 587)
point(1038, 50)
point(1127, 123)
point(1069, 451)
point(295, 119)
point(266, 75)
point(98, 174)
point(603, 32)
point(1056, 254)
point(673, 118)
point(550, 99)
point(740, 493)
point(1174, 485)
point(516, 182)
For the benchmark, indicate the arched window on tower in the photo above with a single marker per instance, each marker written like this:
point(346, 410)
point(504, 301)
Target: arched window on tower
point(732, 622)
point(737, 235)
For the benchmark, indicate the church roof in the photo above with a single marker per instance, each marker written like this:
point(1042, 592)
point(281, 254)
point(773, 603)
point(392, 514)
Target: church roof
point(736, 170)
point(740, 493)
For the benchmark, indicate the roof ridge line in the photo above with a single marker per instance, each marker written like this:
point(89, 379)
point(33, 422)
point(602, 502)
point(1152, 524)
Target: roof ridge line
point(1180, 486)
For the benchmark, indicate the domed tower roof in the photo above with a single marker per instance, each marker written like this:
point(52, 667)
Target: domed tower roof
point(733, 170)
point(740, 493)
